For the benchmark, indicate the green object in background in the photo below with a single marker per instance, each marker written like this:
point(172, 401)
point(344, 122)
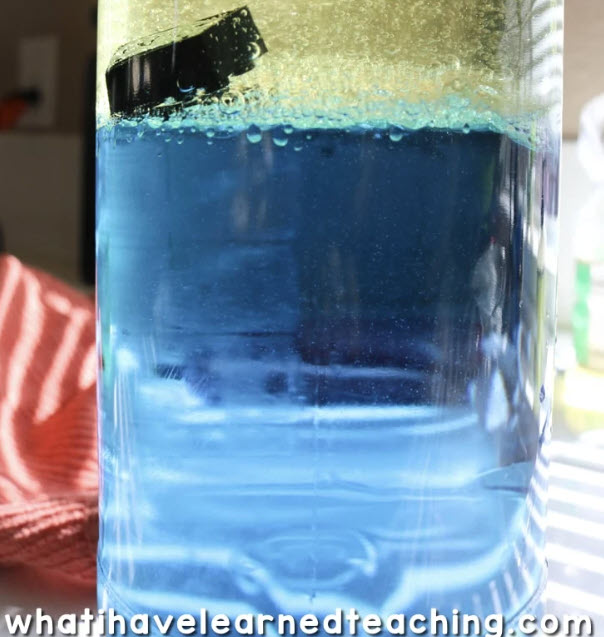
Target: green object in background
point(588, 315)
point(581, 312)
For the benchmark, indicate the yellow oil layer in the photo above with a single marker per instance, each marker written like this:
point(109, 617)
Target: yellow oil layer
point(407, 63)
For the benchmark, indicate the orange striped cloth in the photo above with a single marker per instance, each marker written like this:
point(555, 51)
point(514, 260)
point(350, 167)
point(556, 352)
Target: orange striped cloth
point(48, 448)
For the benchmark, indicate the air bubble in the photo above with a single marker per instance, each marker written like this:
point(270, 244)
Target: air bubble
point(280, 139)
point(232, 102)
point(298, 147)
point(184, 88)
point(288, 130)
point(255, 50)
point(484, 89)
point(254, 135)
point(395, 134)
point(210, 133)
point(466, 128)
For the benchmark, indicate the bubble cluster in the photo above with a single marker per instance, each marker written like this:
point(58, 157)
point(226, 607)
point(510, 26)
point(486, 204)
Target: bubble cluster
point(391, 120)
point(389, 65)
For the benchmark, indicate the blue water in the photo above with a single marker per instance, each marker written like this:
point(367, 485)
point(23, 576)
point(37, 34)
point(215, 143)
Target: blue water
point(323, 359)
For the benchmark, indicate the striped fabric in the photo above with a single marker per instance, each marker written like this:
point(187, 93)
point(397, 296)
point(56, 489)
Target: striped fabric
point(48, 456)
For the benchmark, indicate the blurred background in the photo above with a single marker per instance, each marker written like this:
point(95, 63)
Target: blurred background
point(47, 83)
point(46, 209)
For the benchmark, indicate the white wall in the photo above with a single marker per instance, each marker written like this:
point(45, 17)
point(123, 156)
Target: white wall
point(40, 199)
point(575, 190)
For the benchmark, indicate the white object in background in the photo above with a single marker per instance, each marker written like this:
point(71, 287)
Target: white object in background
point(575, 189)
point(588, 316)
point(38, 68)
point(589, 240)
point(590, 145)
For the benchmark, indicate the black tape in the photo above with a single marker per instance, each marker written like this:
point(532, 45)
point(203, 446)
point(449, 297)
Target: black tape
point(227, 45)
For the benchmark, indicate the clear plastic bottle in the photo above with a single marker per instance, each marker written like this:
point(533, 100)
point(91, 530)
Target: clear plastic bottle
point(326, 273)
